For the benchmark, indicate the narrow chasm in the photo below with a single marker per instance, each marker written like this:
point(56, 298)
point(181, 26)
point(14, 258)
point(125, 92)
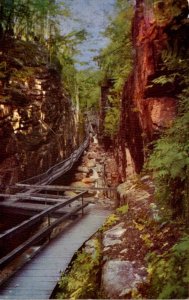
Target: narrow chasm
point(94, 149)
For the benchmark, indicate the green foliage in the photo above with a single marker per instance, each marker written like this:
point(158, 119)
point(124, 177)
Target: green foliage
point(114, 218)
point(30, 19)
point(22, 75)
point(81, 282)
point(110, 221)
point(165, 79)
point(122, 210)
point(38, 20)
point(116, 61)
point(89, 88)
point(112, 121)
point(165, 11)
point(170, 162)
point(169, 272)
point(64, 49)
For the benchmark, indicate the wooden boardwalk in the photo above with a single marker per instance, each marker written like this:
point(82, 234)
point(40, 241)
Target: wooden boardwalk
point(37, 279)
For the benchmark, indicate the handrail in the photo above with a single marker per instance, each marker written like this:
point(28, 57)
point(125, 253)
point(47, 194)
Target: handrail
point(37, 237)
point(45, 178)
point(60, 168)
point(27, 223)
point(62, 188)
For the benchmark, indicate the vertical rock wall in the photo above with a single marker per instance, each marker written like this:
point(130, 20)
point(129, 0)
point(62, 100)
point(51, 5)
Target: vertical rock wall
point(149, 108)
point(37, 121)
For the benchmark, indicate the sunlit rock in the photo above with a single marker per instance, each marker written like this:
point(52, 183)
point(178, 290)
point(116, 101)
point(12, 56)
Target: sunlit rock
point(114, 235)
point(35, 117)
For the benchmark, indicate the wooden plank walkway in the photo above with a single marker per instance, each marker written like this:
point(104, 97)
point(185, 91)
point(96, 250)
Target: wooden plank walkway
point(37, 279)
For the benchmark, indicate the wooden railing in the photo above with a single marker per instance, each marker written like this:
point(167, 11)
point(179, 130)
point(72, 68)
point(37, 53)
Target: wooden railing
point(59, 169)
point(15, 231)
point(62, 188)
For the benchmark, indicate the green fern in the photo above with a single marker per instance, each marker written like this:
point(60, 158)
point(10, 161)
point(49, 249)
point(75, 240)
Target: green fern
point(169, 162)
point(168, 274)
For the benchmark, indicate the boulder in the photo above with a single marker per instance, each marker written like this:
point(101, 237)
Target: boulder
point(120, 278)
point(91, 163)
point(88, 180)
point(83, 169)
point(98, 168)
point(114, 235)
point(130, 191)
point(111, 242)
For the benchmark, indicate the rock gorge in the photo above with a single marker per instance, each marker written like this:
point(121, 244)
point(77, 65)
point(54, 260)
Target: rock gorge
point(143, 241)
point(38, 124)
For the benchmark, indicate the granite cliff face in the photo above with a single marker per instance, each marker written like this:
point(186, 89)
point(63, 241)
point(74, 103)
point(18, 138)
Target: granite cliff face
point(37, 120)
point(148, 107)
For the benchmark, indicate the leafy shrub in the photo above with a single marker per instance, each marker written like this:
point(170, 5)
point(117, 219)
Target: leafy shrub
point(122, 210)
point(82, 281)
point(110, 221)
point(169, 272)
point(112, 121)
